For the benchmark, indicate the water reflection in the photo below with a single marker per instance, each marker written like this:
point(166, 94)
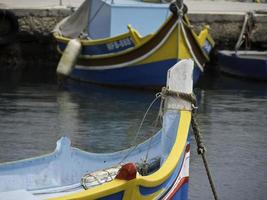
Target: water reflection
point(109, 117)
point(232, 117)
point(96, 119)
point(27, 116)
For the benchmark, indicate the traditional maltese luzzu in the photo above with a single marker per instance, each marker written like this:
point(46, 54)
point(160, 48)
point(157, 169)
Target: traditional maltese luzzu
point(155, 169)
point(128, 59)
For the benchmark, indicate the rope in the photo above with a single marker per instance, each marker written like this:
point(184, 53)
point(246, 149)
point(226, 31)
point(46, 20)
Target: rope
point(241, 38)
point(245, 31)
point(201, 149)
point(139, 129)
point(179, 6)
point(158, 121)
point(185, 96)
point(163, 94)
point(198, 137)
point(200, 66)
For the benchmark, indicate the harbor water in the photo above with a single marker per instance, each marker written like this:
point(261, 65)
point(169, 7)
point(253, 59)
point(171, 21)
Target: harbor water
point(232, 116)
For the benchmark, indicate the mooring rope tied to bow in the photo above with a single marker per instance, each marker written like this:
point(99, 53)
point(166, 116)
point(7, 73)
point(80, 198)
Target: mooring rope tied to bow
point(164, 92)
point(191, 98)
point(201, 149)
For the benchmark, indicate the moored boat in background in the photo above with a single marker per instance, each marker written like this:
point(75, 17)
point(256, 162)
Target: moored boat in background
point(248, 63)
point(244, 64)
point(130, 59)
point(157, 168)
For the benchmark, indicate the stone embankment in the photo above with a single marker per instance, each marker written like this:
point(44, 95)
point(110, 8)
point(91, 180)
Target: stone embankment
point(225, 28)
point(32, 54)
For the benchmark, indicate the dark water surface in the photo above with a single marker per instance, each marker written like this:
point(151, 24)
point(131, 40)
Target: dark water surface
point(232, 117)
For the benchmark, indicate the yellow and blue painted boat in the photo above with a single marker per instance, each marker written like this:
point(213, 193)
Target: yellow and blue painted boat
point(135, 61)
point(155, 169)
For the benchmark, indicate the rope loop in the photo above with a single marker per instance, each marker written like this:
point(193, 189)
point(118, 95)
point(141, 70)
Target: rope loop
point(184, 96)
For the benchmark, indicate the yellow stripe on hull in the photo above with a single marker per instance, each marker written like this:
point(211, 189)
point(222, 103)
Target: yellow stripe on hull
point(174, 47)
point(131, 188)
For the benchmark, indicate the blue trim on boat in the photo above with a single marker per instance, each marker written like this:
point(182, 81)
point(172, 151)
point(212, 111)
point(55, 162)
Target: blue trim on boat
point(145, 75)
point(207, 47)
point(182, 193)
point(101, 49)
point(167, 184)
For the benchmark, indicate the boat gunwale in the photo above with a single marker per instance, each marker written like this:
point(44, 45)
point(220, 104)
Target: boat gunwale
point(245, 54)
point(134, 53)
point(153, 180)
point(136, 48)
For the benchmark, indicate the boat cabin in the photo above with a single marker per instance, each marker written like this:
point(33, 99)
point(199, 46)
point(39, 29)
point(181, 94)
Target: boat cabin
point(115, 15)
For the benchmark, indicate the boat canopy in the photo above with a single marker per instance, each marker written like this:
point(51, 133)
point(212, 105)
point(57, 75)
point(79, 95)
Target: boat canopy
point(76, 24)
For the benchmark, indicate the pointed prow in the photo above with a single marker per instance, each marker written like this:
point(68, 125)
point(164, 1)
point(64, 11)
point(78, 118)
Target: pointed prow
point(180, 81)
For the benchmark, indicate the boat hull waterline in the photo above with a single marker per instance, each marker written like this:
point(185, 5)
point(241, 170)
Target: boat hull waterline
point(244, 64)
point(135, 61)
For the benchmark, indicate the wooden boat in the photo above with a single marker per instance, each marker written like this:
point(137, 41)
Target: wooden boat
point(155, 169)
point(245, 64)
point(130, 59)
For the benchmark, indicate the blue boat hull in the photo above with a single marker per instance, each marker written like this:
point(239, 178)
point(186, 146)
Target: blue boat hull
point(245, 67)
point(151, 75)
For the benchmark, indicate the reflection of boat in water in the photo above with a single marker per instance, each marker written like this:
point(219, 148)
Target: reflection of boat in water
point(157, 168)
point(130, 59)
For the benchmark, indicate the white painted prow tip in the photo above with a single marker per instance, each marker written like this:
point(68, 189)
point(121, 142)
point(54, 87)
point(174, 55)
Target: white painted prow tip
point(180, 76)
point(180, 79)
